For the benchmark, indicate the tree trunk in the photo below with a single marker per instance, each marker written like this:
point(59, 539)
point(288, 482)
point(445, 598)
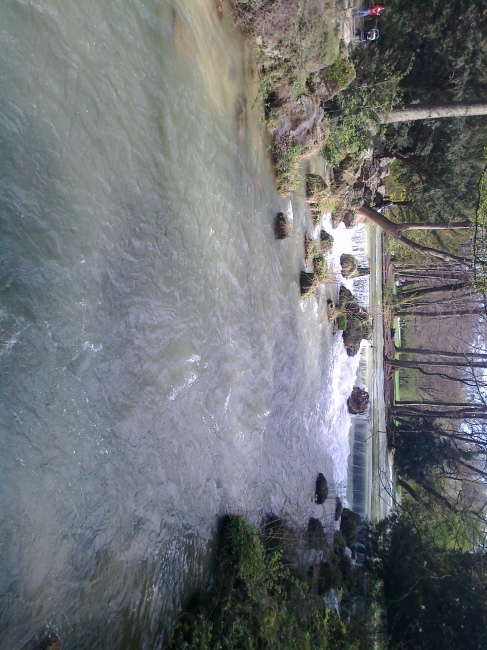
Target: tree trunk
point(465, 382)
point(442, 353)
point(418, 293)
point(435, 111)
point(400, 363)
point(441, 313)
point(409, 489)
point(463, 406)
point(433, 252)
point(457, 225)
point(438, 496)
point(447, 415)
point(395, 231)
point(473, 468)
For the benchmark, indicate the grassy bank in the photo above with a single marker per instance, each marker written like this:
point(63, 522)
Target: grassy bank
point(302, 64)
point(263, 597)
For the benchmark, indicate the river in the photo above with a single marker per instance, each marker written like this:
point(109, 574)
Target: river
point(159, 367)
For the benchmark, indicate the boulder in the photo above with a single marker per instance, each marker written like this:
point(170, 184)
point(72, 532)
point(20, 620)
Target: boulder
point(326, 242)
point(315, 534)
point(348, 526)
point(348, 218)
point(358, 325)
point(321, 490)
point(315, 184)
point(338, 508)
point(282, 226)
point(358, 401)
point(355, 332)
point(349, 265)
point(306, 282)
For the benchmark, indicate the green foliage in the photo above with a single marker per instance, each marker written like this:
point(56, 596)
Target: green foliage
point(320, 268)
point(480, 239)
point(421, 451)
point(286, 156)
point(443, 42)
point(258, 603)
point(444, 45)
point(438, 465)
point(339, 75)
point(433, 597)
point(291, 39)
point(354, 115)
point(342, 322)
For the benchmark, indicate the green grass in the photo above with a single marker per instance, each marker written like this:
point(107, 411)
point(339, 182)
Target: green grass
point(286, 158)
point(342, 322)
point(480, 238)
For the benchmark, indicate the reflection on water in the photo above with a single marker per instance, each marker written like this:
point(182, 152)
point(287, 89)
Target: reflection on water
point(158, 365)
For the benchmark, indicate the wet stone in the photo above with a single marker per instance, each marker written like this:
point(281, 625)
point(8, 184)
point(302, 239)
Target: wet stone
point(321, 492)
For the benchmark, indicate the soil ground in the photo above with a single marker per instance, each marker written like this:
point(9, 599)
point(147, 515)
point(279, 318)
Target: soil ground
point(348, 24)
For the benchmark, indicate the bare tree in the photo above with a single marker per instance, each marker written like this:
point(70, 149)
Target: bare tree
point(395, 231)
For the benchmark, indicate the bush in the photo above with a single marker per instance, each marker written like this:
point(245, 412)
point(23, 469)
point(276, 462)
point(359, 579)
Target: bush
point(339, 75)
point(257, 602)
point(286, 157)
point(342, 322)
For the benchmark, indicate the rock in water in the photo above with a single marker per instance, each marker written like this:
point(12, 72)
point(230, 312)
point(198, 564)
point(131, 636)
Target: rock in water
point(306, 282)
point(358, 324)
point(315, 185)
point(338, 509)
point(315, 534)
point(326, 242)
point(282, 227)
point(348, 526)
point(351, 268)
point(321, 491)
point(358, 401)
point(349, 265)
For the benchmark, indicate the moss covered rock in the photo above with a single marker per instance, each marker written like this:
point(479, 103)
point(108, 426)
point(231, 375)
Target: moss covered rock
point(315, 534)
point(338, 76)
point(359, 324)
point(282, 226)
point(326, 242)
point(306, 282)
point(348, 526)
point(351, 267)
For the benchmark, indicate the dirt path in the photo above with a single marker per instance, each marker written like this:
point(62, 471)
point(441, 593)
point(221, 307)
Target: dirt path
point(348, 24)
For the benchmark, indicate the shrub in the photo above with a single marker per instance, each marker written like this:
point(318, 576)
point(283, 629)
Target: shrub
point(339, 75)
point(257, 602)
point(285, 156)
point(342, 322)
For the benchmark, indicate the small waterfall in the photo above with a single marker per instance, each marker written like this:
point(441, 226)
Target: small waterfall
point(358, 465)
point(361, 290)
point(360, 433)
point(355, 241)
point(361, 285)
